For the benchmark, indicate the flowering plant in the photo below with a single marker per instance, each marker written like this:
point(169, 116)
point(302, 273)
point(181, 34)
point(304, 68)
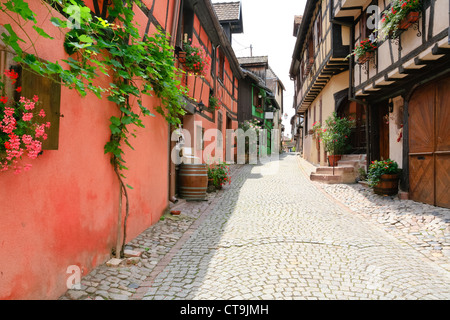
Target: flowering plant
point(379, 167)
point(367, 45)
point(197, 60)
point(336, 133)
point(219, 173)
point(316, 129)
point(22, 129)
point(397, 12)
point(214, 103)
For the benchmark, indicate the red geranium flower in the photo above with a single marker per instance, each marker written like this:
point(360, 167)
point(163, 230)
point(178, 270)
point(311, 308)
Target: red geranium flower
point(12, 75)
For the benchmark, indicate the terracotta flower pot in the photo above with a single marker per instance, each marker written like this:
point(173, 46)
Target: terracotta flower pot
point(333, 159)
point(388, 185)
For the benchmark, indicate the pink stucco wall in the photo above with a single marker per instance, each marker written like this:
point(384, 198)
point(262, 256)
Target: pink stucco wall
point(64, 210)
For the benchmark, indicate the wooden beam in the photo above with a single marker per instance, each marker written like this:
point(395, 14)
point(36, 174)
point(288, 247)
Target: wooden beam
point(439, 51)
point(403, 70)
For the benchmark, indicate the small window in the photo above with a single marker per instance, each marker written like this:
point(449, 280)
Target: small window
point(47, 89)
point(186, 24)
point(221, 65)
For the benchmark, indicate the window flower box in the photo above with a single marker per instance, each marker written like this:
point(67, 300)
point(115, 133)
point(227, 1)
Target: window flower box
point(182, 57)
point(408, 20)
point(365, 57)
point(399, 17)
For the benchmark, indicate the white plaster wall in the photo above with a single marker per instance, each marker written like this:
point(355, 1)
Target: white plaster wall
point(395, 122)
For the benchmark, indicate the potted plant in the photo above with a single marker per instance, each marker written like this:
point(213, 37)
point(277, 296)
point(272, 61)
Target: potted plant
point(364, 50)
point(218, 174)
point(383, 176)
point(335, 137)
point(196, 61)
point(399, 16)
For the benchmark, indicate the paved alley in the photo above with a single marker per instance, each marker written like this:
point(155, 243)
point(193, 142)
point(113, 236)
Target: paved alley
point(281, 236)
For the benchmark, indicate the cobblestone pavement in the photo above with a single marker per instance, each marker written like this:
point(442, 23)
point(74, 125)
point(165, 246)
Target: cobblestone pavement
point(281, 236)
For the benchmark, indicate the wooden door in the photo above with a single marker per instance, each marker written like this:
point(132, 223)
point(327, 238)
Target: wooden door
point(442, 150)
point(383, 123)
point(429, 143)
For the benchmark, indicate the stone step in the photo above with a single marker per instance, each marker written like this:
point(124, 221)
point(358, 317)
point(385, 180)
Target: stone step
point(325, 178)
point(353, 157)
point(346, 163)
point(337, 170)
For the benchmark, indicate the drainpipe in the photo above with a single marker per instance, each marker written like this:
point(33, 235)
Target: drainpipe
point(176, 14)
point(215, 67)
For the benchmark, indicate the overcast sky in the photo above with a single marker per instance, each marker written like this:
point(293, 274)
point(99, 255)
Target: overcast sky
point(268, 28)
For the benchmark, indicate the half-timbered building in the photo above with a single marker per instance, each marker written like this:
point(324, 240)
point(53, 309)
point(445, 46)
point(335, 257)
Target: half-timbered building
point(320, 71)
point(404, 89)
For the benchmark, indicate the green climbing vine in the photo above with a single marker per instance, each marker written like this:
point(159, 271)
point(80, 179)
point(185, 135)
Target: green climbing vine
point(99, 48)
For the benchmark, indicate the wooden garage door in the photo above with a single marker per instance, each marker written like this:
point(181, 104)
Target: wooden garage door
point(429, 143)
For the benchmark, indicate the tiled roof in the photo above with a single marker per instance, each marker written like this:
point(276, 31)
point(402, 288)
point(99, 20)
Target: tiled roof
point(253, 60)
point(227, 11)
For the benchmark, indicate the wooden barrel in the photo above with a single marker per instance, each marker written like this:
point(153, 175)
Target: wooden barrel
point(193, 180)
point(388, 185)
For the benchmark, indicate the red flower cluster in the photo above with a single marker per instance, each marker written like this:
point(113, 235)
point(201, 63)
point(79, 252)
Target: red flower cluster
point(20, 133)
point(12, 75)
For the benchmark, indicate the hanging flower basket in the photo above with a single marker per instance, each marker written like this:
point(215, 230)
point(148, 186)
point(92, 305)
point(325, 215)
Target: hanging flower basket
point(408, 20)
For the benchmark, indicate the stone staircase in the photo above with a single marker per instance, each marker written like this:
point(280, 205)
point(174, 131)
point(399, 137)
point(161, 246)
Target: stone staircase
point(345, 172)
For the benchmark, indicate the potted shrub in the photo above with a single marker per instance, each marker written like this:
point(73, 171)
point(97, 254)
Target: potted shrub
point(335, 137)
point(399, 16)
point(383, 176)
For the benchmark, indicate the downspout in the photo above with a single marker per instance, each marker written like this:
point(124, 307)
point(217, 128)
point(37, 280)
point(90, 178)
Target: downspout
point(215, 67)
point(176, 14)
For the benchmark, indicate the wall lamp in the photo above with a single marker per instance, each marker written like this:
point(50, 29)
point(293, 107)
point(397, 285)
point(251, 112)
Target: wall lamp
point(200, 107)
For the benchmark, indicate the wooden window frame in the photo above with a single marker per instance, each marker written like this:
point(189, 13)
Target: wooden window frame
point(47, 89)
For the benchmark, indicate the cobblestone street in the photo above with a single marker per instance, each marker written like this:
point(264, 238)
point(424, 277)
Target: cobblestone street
point(281, 236)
